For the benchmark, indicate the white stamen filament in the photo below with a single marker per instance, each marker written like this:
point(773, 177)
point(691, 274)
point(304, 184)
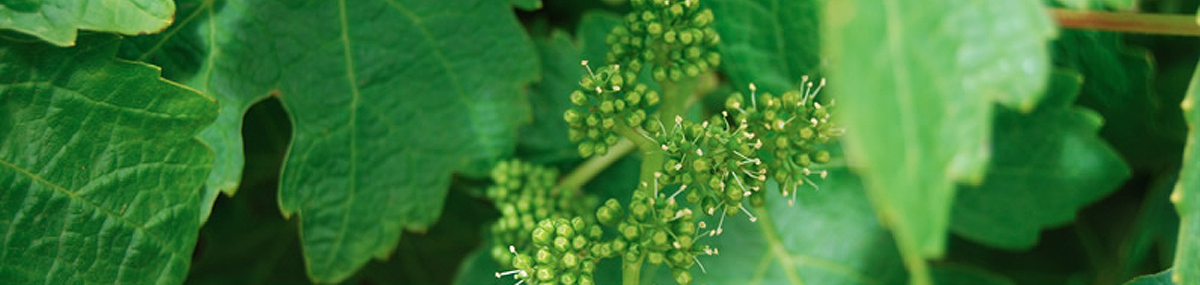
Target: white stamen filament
point(752, 217)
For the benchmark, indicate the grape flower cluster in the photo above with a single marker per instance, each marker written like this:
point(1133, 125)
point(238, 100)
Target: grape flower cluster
point(710, 170)
point(673, 37)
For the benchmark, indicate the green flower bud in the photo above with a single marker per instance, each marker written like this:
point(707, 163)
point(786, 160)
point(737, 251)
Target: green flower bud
point(659, 73)
point(654, 29)
point(567, 279)
point(579, 242)
point(700, 165)
point(586, 83)
point(733, 192)
point(630, 232)
point(565, 230)
point(573, 117)
point(711, 37)
point(616, 80)
point(544, 256)
point(691, 53)
point(676, 10)
point(655, 257)
point(592, 119)
point(578, 98)
point(659, 238)
point(670, 36)
point(593, 134)
point(714, 59)
point(542, 237)
point(570, 260)
point(612, 139)
point(651, 98)
point(545, 274)
point(595, 232)
point(586, 280)
point(522, 261)
point(803, 160)
point(608, 123)
point(606, 107)
point(822, 156)
point(682, 277)
point(685, 38)
point(561, 244)
point(691, 70)
point(633, 97)
point(702, 19)
point(586, 149)
point(619, 105)
point(807, 133)
point(618, 245)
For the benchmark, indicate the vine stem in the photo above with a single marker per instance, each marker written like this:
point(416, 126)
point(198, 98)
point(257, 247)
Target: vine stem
point(593, 166)
point(1159, 24)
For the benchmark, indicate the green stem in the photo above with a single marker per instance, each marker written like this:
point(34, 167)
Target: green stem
point(593, 166)
point(631, 272)
point(674, 101)
point(1179, 25)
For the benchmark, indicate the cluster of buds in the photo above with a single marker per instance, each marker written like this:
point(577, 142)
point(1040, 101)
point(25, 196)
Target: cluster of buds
point(793, 127)
point(566, 252)
point(525, 194)
point(673, 36)
point(607, 99)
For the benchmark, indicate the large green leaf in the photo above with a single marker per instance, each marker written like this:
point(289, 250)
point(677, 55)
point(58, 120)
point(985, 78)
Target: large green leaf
point(917, 80)
point(544, 140)
point(772, 43)
point(56, 21)
point(387, 99)
point(1046, 165)
point(1117, 84)
point(1186, 196)
point(99, 167)
point(830, 236)
point(180, 51)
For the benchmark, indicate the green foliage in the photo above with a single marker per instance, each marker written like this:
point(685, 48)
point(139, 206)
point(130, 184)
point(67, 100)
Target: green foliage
point(461, 120)
point(1186, 196)
point(1047, 164)
point(924, 121)
point(56, 21)
point(99, 164)
point(430, 142)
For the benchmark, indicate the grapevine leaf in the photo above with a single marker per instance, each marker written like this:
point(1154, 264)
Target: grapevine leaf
point(180, 51)
point(829, 236)
point(99, 167)
point(387, 98)
point(545, 139)
point(56, 21)
point(917, 81)
point(1046, 165)
point(1161, 278)
point(1186, 196)
point(772, 43)
point(1117, 83)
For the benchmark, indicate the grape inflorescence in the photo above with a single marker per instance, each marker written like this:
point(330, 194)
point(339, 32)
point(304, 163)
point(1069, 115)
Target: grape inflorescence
point(710, 170)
